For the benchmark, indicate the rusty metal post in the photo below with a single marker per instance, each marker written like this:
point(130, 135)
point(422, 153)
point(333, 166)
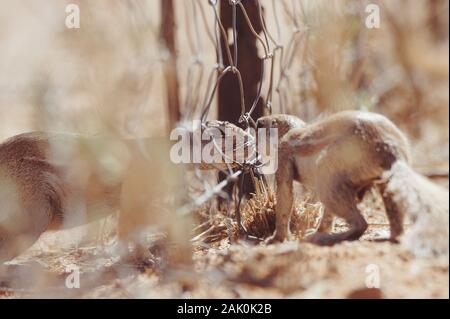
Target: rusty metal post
point(248, 63)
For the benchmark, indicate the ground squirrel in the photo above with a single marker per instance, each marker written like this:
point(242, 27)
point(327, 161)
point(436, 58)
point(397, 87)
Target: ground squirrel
point(56, 181)
point(338, 158)
point(51, 181)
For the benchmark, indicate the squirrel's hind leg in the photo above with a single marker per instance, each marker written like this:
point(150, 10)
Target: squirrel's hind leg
point(339, 199)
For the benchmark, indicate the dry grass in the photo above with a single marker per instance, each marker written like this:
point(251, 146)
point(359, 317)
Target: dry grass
point(259, 217)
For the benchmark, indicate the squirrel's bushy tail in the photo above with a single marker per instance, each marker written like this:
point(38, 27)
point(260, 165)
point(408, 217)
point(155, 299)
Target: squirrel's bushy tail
point(425, 204)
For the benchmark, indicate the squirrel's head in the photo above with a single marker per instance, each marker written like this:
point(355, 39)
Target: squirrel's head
point(218, 144)
point(282, 122)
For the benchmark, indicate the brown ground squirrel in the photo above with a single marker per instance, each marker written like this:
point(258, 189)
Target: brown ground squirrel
point(338, 158)
point(51, 181)
point(56, 181)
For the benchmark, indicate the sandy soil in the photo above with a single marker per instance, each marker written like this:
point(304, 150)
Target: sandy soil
point(369, 268)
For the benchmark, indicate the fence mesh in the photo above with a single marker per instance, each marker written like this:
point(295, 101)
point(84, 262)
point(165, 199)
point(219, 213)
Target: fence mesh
point(279, 43)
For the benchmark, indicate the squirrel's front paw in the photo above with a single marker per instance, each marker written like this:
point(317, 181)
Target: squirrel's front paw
point(277, 238)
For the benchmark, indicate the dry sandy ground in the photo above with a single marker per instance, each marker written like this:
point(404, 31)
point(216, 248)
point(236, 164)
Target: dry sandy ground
point(238, 270)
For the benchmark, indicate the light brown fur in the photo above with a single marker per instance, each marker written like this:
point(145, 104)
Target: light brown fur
point(57, 181)
point(337, 158)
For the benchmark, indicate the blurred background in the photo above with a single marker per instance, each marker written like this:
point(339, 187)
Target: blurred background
point(108, 75)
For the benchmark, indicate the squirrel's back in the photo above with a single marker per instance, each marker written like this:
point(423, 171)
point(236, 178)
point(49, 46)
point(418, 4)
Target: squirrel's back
point(30, 192)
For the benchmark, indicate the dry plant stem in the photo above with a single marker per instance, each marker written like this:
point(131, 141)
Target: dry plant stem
point(167, 36)
point(409, 70)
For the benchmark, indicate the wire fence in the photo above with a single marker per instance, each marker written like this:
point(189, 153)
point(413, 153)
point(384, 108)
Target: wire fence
point(276, 61)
